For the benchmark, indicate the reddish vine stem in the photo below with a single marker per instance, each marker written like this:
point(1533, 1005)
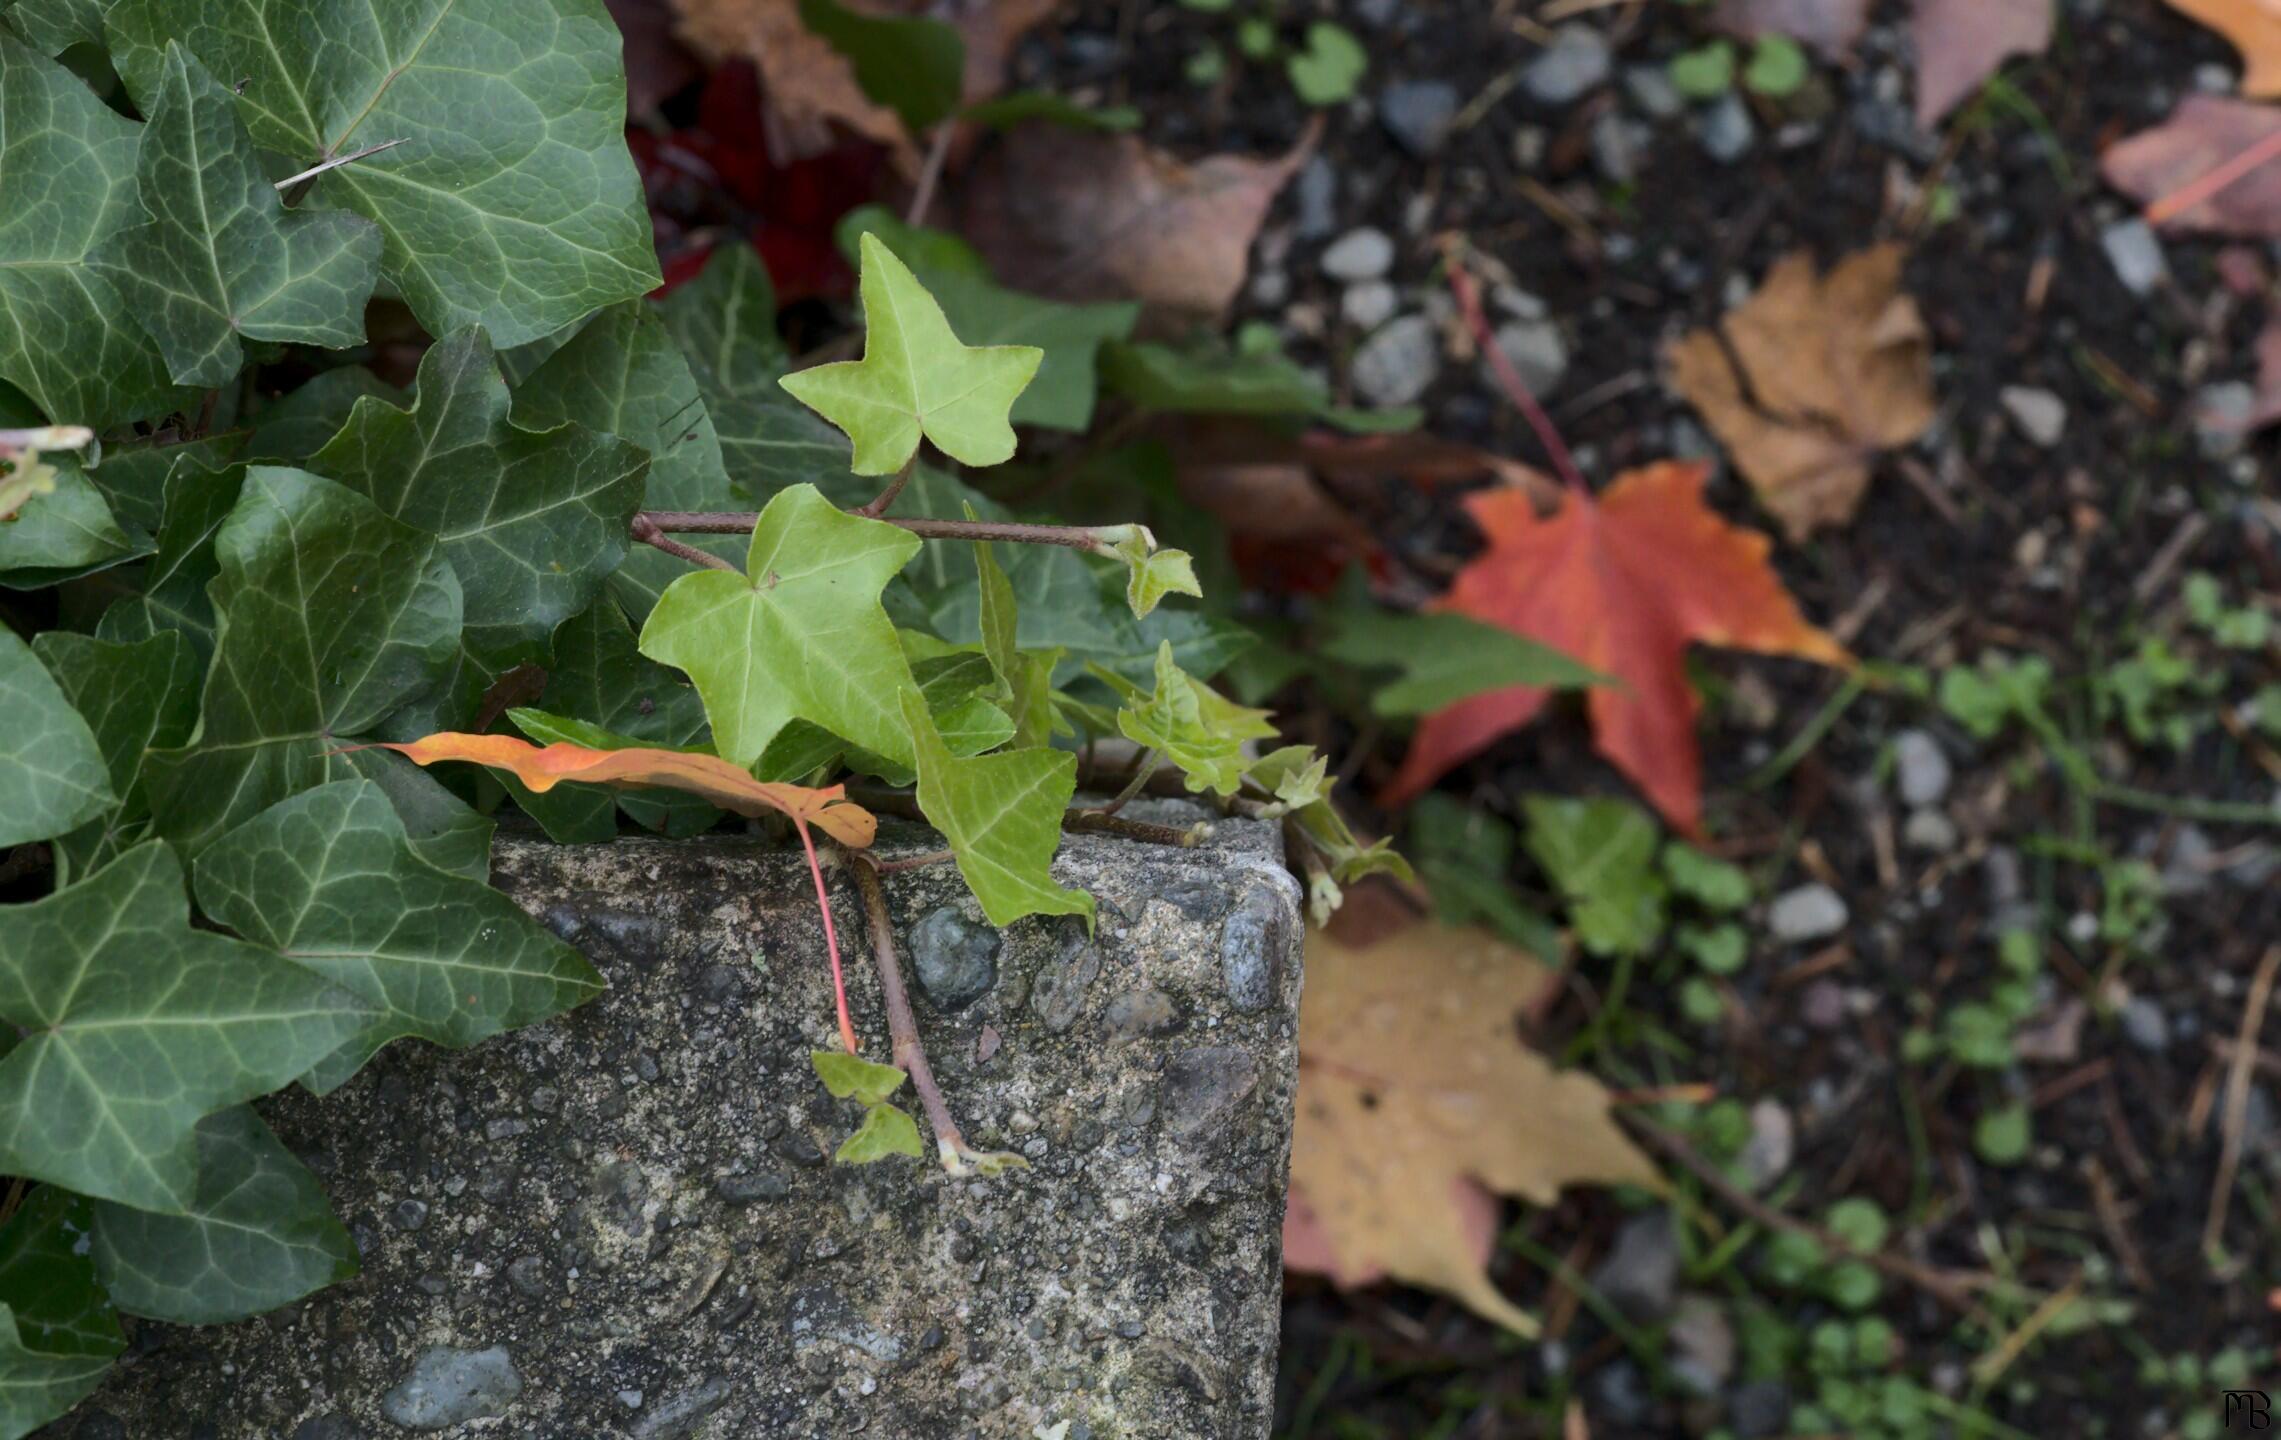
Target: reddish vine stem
point(831, 940)
point(650, 533)
point(1468, 297)
point(902, 1025)
point(1098, 539)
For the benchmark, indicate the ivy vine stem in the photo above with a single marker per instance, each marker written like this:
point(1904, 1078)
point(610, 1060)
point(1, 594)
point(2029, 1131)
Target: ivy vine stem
point(886, 497)
point(902, 1024)
point(648, 532)
point(1095, 539)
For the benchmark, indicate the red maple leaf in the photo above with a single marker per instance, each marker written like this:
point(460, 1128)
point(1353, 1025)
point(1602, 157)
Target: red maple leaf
point(1624, 583)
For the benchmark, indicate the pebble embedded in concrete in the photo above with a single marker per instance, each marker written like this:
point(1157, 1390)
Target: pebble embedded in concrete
point(954, 956)
point(450, 1387)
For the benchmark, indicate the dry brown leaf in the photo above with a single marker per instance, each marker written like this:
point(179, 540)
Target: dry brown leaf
point(2204, 136)
point(2254, 28)
point(1839, 367)
point(1830, 26)
point(1076, 215)
point(811, 87)
point(1960, 43)
point(1417, 1100)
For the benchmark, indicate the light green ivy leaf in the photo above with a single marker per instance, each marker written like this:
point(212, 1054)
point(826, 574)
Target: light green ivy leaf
point(1154, 574)
point(57, 1332)
point(886, 1130)
point(259, 1235)
point(1600, 854)
point(305, 656)
point(219, 256)
point(140, 1026)
point(52, 776)
point(916, 378)
point(1335, 856)
point(328, 878)
point(68, 338)
point(799, 635)
point(1190, 724)
point(851, 1077)
point(1002, 816)
point(986, 313)
point(512, 202)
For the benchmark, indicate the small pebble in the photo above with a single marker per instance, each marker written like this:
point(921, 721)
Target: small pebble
point(1575, 63)
point(1822, 1007)
point(1536, 350)
point(1418, 113)
point(1810, 912)
point(1617, 142)
point(2222, 414)
point(1368, 305)
point(1399, 363)
point(1929, 831)
point(1725, 130)
point(1365, 253)
point(2136, 253)
point(1316, 193)
point(1920, 768)
point(1650, 88)
point(2144, 1025)
point(1773, 1143)
point(2040, 415)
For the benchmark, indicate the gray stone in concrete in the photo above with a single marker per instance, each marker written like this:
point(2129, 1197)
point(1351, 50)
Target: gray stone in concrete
point(657, 1249)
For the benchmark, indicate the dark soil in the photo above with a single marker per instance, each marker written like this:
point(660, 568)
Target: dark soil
point(1996, 545)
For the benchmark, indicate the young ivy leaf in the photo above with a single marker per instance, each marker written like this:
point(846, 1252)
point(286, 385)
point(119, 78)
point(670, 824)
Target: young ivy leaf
point(800, 635)
point(1002, 815)
point(219, 257)
point(1190, 724)
point(886, 1130)
point(915, 378)
point(1601, 856)
point(1297, 776)
point(1155, 573)
point(851, 1077)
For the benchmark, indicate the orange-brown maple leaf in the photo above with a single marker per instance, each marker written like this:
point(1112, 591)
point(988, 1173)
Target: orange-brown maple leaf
point(1623, 583)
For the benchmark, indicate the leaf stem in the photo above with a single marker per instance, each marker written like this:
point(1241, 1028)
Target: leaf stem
point(902, 1025)
point(646, 530)
point(886, 497)
point(1096, 539)
point(831, 939)
point(930, 173)
point(1133, 787)
point(1516, 389)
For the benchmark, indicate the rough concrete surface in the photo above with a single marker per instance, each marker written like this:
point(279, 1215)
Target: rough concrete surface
point(623, 1224)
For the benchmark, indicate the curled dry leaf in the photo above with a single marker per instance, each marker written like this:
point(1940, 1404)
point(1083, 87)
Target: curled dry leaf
point(811, 87)
point(1418, 1103)
point(2254, 28)
point(1079, 215)
point(1623, 584)
point(1829, 26)
point(706, 776)
point(1960, 43)
point(2203, 137)
point(1833, 369)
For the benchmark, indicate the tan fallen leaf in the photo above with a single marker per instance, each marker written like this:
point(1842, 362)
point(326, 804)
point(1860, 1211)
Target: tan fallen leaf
point(23, 475)
point(810, 87)
point(1838, 367)
point(2254, 28)
point(1418, 1103)
point(2207, 167)
point(1078, 215)
point(1960, 43)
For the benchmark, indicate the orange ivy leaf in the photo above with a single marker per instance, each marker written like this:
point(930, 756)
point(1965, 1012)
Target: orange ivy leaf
point(1622, 583)
point(708, 776)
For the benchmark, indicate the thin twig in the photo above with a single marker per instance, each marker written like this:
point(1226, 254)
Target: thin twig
point(1099, 539)
point(1509, 379)
point(336, 163)
point(914, 862)
point(886, 497)
point(649, 533)
point(2237, 1096)
point(930, 174)
point(1950, 1288)
point(902, 1025)
point(1094, 822)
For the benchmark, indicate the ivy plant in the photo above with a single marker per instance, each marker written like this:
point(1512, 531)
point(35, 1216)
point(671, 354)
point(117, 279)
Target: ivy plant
point(284, 632)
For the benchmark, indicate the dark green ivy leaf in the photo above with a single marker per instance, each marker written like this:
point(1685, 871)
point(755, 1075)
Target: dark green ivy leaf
point(512, 202)
point(68, 339)
point(139, 1027)
point(135, 698)
point(51, 770)
point(173, 598)
point(329, 879)
point(258, 1235)
point(57, 1332)
point(1210, 378)
point(219, 256)
point(295, 427)
point(64, 534)
point(531, 521)
point(57, 25)
point(914, 66)
point(305, 656)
